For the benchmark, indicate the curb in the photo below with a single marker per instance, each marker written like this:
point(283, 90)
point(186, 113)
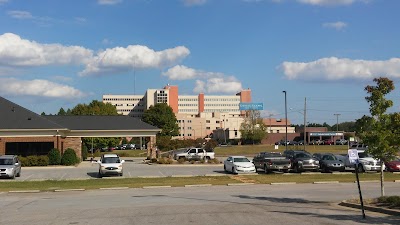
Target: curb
point(396, 181)
point(283, 183)
point(114, 188)
point(371, 208)
point(216, 175)
point(325, 182)
point(27, 191)
point(150, 187)
point(239, 184)
point(198, 185)
point(368, 181)
point(151, 176)
point(183, 176)
point(65, 190)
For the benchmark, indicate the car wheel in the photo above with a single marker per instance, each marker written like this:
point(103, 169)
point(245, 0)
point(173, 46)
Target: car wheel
point(12, 176)
point(285, 171)
point(266, 169)
point(297, 169)
point(360, 168)
point(233, 170)
point(225, 169)
point(99, 175)
point(19, 174)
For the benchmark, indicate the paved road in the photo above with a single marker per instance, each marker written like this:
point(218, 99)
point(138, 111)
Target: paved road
point(133, 167)
point(301, 204)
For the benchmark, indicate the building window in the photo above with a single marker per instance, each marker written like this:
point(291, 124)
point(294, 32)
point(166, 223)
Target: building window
point(207, 121)
point(207, 128)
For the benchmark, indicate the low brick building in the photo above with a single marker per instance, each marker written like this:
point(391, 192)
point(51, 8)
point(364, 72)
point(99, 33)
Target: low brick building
point(23, 132)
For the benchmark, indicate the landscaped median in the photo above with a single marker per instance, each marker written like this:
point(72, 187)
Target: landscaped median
point(175, 181)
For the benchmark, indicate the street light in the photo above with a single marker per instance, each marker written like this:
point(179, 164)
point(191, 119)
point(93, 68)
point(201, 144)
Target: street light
point(305, 123)
point(285, 120)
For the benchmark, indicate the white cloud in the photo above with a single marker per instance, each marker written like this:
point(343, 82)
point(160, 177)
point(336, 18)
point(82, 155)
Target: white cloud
point(180, 72)
point(20, 14)
point(108, 2)
point(335, 25)
point(330, 2)
point(15, 51)
point(62, 78)
point(41, 88)
point(194, 2)
point(210, 82)
point(226, 85)
point(119, 59)
point(341, 68)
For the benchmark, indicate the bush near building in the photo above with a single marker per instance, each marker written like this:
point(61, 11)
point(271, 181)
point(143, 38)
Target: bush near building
point(69, 157)
point(54, 157)
point(34, 160)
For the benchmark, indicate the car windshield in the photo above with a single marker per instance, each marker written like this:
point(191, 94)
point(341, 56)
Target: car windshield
point(6, 161)
point(111, 160)
point(363, 155)
point(302, 155)
point(329, 157)
point(241, 160)
point(273, 154)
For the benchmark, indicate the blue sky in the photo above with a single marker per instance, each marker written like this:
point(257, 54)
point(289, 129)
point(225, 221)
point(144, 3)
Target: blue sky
point(60, 53)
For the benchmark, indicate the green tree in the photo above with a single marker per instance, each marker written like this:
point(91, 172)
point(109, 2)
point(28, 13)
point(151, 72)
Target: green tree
point(380, 131)
point(96, 108)
point(253, 129)
point(162, 116)
point(61, 112)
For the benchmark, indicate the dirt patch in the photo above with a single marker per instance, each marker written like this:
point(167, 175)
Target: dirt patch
point(243, 179)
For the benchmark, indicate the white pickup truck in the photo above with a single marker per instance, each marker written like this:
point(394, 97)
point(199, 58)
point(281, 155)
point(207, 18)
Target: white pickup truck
point(194, 154)
point(366, 162)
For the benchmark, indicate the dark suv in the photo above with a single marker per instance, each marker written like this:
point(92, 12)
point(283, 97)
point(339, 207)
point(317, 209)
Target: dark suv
point(302, 161)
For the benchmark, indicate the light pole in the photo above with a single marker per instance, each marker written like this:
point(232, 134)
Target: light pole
point(285, 120)
point(337, 121)
point(224, 129)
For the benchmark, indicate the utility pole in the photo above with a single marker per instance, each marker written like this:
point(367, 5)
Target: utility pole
point(337, 121)
point(305, 123)
point(285, 120)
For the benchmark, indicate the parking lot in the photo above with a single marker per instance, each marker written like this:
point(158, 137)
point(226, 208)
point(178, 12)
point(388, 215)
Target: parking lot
point(133, 167)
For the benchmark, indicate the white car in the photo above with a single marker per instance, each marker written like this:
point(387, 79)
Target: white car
point(110, 164)
point(239, 164)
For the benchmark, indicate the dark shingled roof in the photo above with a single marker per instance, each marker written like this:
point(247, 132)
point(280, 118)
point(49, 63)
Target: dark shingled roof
point(13, 116)
point(101, 123)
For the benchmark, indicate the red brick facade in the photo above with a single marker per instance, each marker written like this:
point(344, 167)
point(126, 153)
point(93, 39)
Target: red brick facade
point(59, 142)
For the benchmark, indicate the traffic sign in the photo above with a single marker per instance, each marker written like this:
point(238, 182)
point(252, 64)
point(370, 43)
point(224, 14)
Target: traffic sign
point(353, 156)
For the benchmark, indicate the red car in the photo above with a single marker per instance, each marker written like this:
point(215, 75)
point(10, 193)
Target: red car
point(393, 166)
point(328, 142)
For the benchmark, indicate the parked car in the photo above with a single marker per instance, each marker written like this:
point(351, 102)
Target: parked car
point(302, 161)
point(316, 142)
point(270, 161)
point(239, 164)
point(110, 164)
point(394, 165)
point(366, 162)
point(328, 162)
point(341, 142)
point(328, 142)
point(10, 166)
point(194, 154)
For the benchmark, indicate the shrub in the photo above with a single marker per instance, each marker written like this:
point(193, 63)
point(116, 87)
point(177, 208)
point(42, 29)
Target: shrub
point(181, 160)
point(34, 160)
point(165, 160)
point(42, 160)
point(54, 157)
point(69, 157)
point(84, 152)
point(192, 161)
point(393, 201)
point(215, 161)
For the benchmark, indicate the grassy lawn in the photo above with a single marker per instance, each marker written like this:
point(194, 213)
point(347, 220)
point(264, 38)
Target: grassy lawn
point(50, 185)
point(251, 150)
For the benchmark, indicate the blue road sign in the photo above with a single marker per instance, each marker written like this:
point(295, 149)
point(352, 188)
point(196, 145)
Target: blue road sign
point(251, 106)
point(353, 156)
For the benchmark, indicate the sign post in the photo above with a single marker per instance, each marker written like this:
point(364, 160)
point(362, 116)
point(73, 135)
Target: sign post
point(353, 158)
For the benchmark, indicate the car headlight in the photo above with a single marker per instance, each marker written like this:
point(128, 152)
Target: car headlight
point(316, 162)
point(10, 169)
point(300, 162)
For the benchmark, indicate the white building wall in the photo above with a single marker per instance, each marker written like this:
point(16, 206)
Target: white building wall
point(188, 104)
point(222, 103)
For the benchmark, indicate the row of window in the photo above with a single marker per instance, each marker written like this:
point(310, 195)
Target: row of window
point(130, 110)
point(221, 99)
point(187, 121)
point(187, 110)
point(235, 105)
point(187, 105)
point(123, 99)
point(221, 110)
point(187, 100)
